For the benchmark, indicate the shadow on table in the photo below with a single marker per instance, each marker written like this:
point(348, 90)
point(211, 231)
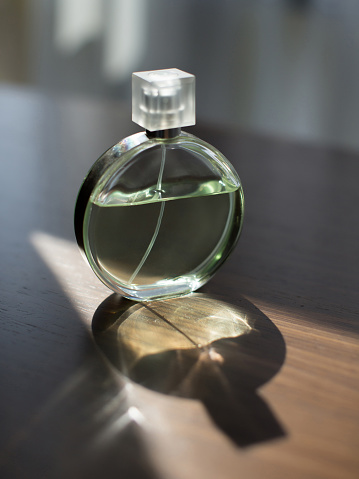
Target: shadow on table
point(198, 347)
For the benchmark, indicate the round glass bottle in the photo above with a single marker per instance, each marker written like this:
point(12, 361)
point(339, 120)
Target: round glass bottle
point(161, 210)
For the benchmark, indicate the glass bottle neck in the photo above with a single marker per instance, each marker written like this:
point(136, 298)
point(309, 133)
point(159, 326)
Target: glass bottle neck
point(171, 133)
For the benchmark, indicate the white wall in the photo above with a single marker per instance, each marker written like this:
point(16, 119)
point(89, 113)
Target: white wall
point(288, 68)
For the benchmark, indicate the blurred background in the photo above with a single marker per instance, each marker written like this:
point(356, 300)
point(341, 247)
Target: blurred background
point(288, 68)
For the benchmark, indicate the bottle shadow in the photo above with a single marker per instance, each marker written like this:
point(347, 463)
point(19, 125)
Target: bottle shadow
point(199, 347)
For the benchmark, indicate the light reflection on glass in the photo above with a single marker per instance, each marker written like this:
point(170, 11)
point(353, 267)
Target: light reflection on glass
point(182, 323)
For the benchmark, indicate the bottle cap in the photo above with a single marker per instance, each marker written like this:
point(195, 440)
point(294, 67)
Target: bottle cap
point(163, 99)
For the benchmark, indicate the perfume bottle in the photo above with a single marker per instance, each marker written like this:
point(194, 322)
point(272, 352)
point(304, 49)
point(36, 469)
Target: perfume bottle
point(160, 211)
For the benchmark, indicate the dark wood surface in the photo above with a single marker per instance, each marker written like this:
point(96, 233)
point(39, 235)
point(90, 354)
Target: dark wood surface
point(96, 386)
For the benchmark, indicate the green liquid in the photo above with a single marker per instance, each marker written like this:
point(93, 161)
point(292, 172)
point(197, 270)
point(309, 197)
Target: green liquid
point(176, 243)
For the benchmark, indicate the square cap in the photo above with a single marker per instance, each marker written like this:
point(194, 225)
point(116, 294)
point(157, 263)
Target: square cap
point(163, 99)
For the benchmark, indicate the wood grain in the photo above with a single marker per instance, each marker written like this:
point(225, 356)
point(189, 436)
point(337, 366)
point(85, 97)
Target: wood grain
point(194, 396)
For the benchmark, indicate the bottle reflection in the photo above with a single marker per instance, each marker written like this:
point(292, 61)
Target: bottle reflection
point(198, 347)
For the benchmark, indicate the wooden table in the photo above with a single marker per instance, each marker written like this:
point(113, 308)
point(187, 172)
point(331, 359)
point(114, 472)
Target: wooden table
point(96, 386)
